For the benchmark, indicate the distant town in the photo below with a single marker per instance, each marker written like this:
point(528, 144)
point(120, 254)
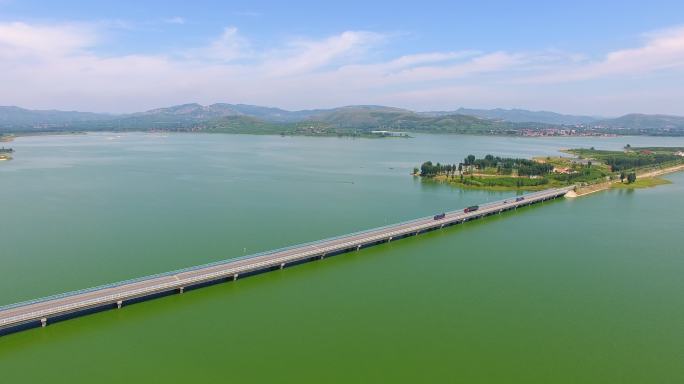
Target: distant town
point(353, 121)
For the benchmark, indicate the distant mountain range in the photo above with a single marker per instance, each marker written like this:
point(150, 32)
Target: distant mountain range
point(20, 117)
point(349, 120)
point(645, 122)
point(521, 116)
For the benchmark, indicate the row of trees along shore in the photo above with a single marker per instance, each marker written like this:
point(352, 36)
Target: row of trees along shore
point(632, 158)
point(503, 166)
point(619, 163)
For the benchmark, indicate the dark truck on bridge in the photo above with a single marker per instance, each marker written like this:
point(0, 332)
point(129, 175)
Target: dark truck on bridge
point(440, 216)
point(517, 199)
point(472, 208)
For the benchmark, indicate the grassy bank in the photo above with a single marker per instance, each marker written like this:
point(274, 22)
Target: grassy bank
point(645, 180)
point(495, 183)
point(642, 183)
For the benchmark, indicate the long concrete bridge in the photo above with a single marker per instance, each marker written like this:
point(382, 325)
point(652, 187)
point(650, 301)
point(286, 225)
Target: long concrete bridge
point(40, 312)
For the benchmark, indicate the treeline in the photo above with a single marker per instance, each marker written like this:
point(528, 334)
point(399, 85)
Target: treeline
point(427, 169)
point(632, 158)
point(6, 150)
point(503, 166)
point(621, 162)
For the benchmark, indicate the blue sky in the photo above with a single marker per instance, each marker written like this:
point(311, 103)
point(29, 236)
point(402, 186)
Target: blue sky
point(600, 58)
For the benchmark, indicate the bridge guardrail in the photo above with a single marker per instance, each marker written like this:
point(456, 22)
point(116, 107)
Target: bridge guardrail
point(252, 256)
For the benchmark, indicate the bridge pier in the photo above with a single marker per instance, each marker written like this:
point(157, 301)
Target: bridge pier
point(81, 303)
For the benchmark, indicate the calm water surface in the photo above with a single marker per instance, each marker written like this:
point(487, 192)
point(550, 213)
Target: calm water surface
point(575, 291)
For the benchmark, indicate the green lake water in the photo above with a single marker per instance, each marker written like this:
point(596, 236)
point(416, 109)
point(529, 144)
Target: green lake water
point(586, 290)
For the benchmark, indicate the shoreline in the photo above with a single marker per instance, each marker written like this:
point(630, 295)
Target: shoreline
point(498, 188)
point(10, 136)
point(588, 190)
point(652, 175)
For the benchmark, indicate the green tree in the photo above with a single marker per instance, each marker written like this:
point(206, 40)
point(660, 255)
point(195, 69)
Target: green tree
point(631, 177)
point(426, 169)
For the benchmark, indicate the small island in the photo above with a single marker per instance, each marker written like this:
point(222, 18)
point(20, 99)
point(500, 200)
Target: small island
point(590, 170)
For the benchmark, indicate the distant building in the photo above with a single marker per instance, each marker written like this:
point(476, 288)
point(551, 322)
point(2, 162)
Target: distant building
point(563, 170)
point(679, 153)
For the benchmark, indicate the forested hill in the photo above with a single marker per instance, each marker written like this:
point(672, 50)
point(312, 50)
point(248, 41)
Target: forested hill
point(644, 124)
point(253, 119)
point(520, 116)
point(350, 120)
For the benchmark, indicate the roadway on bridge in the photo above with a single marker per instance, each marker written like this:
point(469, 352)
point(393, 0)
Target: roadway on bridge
point(231, 268)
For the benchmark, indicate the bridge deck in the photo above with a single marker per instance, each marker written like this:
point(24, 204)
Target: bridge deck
point(40, 310)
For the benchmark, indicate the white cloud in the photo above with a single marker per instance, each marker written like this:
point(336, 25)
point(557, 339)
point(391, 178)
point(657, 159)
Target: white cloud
point(175, 20)
point(228, 47)
point(55, 66)
point(302, 56)
point(428, 58)
point(662, 50)
point(19, 39)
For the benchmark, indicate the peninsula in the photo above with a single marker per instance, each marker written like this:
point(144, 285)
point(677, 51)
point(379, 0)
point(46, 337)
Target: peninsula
point(590, 170)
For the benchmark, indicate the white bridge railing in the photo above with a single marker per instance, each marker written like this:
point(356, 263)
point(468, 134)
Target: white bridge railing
point(228, 268)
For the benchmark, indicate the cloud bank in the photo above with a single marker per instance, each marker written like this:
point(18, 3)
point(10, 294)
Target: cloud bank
point(58, 66)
